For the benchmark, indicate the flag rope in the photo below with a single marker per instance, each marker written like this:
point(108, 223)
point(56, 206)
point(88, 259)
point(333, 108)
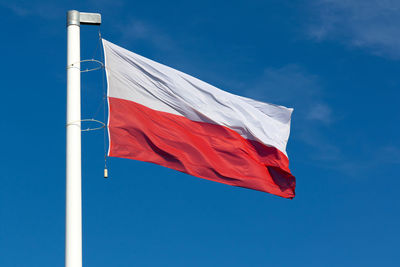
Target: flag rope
point(104, 89)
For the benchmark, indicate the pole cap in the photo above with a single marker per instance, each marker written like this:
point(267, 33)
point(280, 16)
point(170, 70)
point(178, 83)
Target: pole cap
point(73, 18)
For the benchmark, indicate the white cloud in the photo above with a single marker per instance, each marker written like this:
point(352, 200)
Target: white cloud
point(106, 4)
point(138, 30)
point(293, 86)
point(370, 24)
point(45, 10)
point(320, 112)
point(390, 154)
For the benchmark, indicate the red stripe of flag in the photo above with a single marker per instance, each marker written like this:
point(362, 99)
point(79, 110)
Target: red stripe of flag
point(205, 150)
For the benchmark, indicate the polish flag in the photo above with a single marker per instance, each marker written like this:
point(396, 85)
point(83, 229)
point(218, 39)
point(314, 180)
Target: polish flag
point(161, 115)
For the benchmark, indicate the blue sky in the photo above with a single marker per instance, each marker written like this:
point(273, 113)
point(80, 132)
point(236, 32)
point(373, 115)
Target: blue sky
point(336, 62)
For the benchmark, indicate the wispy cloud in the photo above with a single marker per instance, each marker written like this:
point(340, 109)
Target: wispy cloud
point(390, 154)
point(106, 5)
point(320, 112)
point(139, 30)
point(292, 85)
point(44, 10)
point(370, 24)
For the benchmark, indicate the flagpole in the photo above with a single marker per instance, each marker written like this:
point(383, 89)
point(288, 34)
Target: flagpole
point(73, 205)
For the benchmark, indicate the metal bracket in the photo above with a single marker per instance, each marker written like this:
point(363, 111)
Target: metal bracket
point(77, 18)
point(90, 18)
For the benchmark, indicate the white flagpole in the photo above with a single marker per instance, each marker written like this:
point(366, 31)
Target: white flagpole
point(73, 212)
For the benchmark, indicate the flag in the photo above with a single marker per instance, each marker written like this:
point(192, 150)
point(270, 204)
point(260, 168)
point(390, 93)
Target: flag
point(161, 115)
